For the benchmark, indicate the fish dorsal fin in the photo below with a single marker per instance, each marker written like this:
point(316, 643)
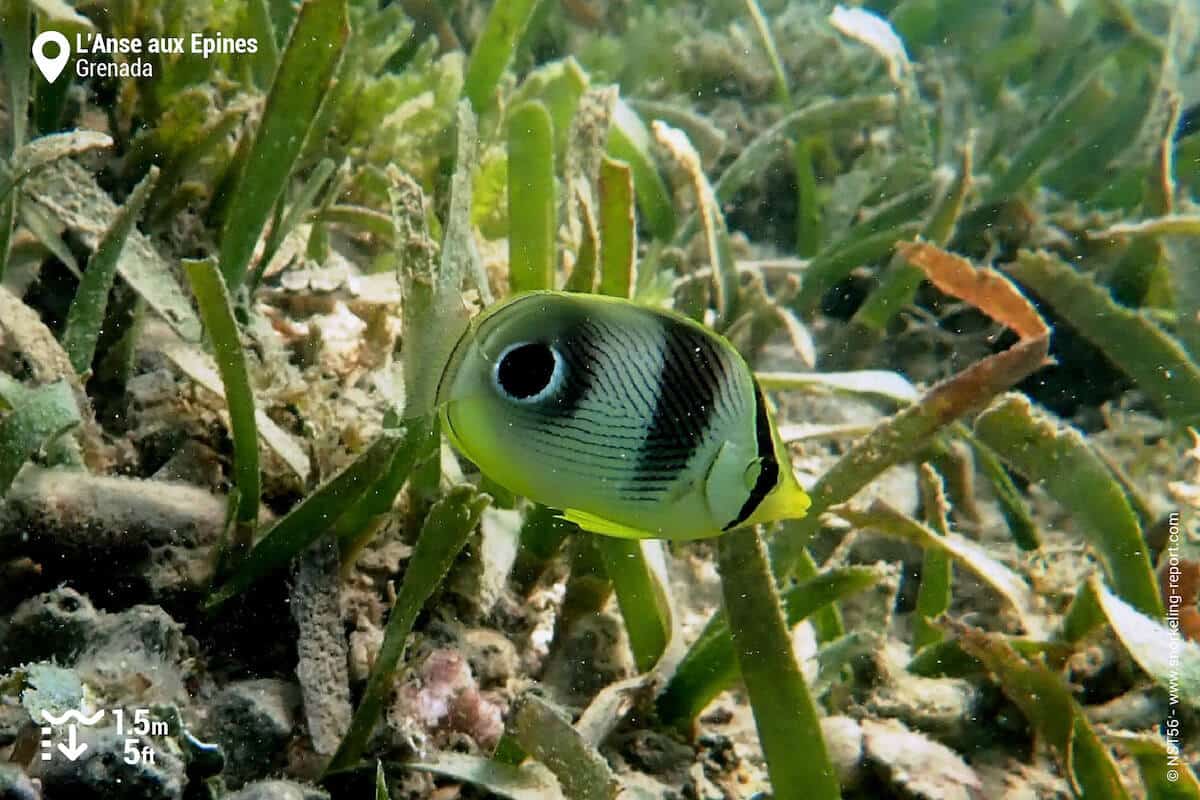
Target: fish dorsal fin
point(596, 524)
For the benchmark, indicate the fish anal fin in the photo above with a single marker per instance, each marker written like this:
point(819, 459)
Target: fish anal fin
point(606, 527)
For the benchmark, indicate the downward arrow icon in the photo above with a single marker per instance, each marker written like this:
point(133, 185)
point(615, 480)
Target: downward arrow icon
point(73, 749)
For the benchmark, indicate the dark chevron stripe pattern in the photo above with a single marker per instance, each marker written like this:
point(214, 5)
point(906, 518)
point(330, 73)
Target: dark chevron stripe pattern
point(695, 388)
point(636, 406)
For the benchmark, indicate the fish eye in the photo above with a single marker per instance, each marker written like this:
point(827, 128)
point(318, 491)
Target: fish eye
point(528, 371)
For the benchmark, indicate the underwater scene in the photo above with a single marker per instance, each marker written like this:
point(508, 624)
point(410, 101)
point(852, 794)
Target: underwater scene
point(599, 399)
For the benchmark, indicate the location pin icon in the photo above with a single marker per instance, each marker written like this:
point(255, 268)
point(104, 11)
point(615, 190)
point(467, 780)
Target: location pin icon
point(51, 66)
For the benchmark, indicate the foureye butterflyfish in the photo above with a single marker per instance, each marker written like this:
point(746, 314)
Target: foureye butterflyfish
point(634, 421)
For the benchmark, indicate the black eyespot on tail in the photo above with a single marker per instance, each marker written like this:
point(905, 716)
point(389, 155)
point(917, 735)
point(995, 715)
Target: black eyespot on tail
point(526, 370)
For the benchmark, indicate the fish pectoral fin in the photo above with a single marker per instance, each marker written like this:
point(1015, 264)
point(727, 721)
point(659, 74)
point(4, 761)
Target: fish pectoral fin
point(597, 524)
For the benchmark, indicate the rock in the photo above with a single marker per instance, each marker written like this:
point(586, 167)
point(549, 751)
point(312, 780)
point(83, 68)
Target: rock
point(173, 572)
point(871, 610)
point(127, 654)
point(364, 646)
point(195, 464)
point(728, 751)
point(1136, 710)
point(493, 658)
point(444, 698)
point(136, 653)
point(639, 786)
point(384, 556)
point(593, 654)
point(54, 626)
point(844, 743)
point(916, 766)
point(13, 718)
point(480, 579)
point(103, 773)
point(15, 784)
point(278, 790)
point(941, 707)
point(655, 753)
point(253, 722)
point(1007, 778)
point(101, 532)
point(143, 627)
point(699, 785)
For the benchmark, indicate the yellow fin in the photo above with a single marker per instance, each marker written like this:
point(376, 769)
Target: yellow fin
point(786, 501)
point(595, 524)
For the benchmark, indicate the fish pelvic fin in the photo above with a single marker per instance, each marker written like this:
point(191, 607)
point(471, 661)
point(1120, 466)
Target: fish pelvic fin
point(606, 527)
